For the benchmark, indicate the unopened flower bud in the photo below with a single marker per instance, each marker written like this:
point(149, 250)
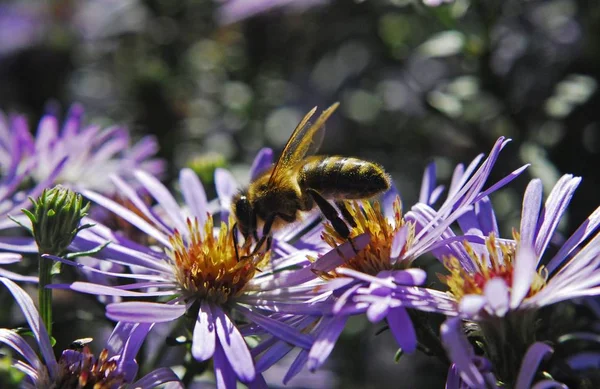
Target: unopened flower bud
point(56, 218)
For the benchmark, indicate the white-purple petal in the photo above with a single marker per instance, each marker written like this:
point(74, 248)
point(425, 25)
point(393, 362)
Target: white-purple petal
point(523, 273)
point(532, 201)
point(194, 194)
point(234, 346)
point(224, 374)
point(325, 341)
point(35, 324)
point(144, 312)
point(496, 293)
point(204, 336)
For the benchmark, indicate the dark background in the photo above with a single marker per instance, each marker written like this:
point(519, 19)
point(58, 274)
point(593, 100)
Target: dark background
point(416, 84)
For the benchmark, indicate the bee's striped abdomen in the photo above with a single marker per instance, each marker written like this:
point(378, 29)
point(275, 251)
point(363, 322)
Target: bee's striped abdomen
point(343, 177)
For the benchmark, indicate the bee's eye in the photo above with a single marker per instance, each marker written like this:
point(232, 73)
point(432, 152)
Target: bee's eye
point(243, 214)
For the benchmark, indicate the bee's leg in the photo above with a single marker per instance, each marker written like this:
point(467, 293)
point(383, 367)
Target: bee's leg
point(345, 213)
point(234, 235)
point(266, 234)
point(331, 214)
point(269, 242)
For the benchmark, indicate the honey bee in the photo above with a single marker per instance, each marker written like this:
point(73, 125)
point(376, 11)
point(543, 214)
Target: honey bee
point(299, 181)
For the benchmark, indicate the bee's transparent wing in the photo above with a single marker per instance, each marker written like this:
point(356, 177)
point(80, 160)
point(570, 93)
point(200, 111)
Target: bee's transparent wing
point(306, 139)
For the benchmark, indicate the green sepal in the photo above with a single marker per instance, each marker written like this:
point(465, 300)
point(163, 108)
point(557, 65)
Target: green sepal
point(87, 253)
point(21, 224)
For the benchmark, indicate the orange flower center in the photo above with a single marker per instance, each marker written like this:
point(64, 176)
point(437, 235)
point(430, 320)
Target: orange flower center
point(207, 265)
point(369, 219)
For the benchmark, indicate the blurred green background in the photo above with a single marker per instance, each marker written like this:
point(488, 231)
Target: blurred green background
point(217, 80)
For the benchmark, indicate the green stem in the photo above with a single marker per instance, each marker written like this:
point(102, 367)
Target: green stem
point(45, 294)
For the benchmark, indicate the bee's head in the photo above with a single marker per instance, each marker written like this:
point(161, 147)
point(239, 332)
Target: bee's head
point(244, 214)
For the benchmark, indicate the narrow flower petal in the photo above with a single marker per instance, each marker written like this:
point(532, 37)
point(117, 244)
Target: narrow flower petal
point(276, 328)
point(555, 207)
point(377, 311)
point(144, 312)
point(398, 243)
point(531, 362)
point(523, 273)
point(35, 323)
point(20, 345)
point(204, 337)
point(402, 329)
point(234, 346)
point(163, 196)
point(193, 194)
point(471, 304)
point(224, 374)
point(18, 277)
point(103, 290)
point(496, 293)
point(8, 258)
point(336, 257)
point(461, 352)
point(156, 378)
point(326, 340)
point(226, 187)
point(530, 212)
point(262, 162)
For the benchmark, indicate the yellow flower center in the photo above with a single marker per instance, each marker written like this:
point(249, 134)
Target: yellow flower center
point(207, 265)
point(369, 219)
point(497, 261)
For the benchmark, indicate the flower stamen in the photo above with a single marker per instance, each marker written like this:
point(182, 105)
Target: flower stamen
point(496, 261)
point(375, 257)
point(207, 265)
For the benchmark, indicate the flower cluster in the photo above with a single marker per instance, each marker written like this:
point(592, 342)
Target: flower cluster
point(175, 270)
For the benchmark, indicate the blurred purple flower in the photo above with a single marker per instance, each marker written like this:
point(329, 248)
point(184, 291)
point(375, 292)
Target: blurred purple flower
point(115, 367)
point(92, 153)
point(369, 280)
point(198, 269)
point(16, 165)
point(21, 25)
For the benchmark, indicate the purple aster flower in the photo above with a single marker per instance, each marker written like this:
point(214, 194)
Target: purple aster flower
point(198, 269)
point(92, 153)
point(495, 276)
point(369, 280)
point(114, 368)
point(499, 285)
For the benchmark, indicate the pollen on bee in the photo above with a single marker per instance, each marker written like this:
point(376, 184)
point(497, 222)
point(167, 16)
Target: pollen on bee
point(206, 263)
point(369, 218)
point(495, 261)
